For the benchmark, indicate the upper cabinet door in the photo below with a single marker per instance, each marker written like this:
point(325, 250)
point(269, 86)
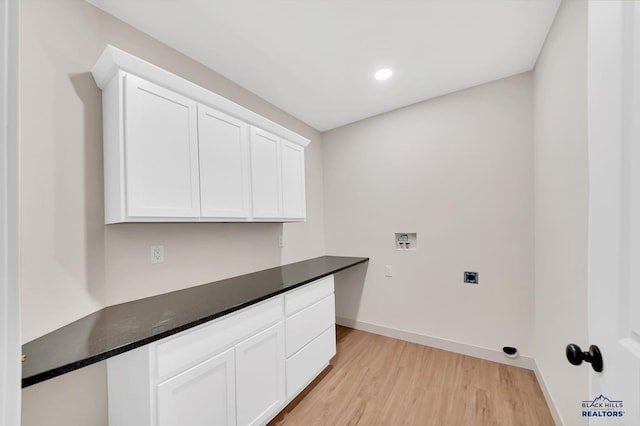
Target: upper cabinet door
point(224, 165)
point(293, 181)
point(266, 178)
point(161, 152)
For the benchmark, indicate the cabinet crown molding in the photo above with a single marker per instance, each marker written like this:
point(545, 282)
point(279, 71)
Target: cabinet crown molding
point(113, 60)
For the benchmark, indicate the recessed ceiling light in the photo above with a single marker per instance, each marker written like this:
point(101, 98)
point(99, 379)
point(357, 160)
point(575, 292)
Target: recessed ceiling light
point(383, 74)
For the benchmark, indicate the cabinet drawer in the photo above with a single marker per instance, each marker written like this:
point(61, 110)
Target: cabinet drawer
point(195, 345)
point(308, 295)
point(309, 323)
point(309, 361)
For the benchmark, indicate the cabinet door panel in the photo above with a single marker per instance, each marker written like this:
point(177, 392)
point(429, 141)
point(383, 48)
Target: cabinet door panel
point(266, 175)
point(161, 152)
point(224, 165)
point(293, 182)
point(201, 396)
point(260, 376)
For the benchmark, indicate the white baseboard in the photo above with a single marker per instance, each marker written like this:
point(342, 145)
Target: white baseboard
point(547, 395)
point(523, 361)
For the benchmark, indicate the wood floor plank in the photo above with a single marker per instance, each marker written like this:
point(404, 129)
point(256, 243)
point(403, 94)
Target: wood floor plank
point(376, 380)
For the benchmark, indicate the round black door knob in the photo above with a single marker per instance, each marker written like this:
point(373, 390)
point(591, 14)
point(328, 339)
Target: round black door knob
point(575, 355)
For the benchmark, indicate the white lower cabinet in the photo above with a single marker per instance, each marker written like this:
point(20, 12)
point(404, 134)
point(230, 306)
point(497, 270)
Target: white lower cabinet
point(309, 323)
point(311, 333)
point(308, 362)
point(260, 377)
point(203, 395)
point(241, 369)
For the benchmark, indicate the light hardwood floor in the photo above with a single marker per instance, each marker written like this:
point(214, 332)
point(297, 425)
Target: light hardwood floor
point(376, 380)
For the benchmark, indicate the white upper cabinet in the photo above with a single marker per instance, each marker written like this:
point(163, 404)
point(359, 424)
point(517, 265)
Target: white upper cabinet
point(161, 152)
point(224, 165)
point(266, 176)
point(293, 181)
point(174, 151)
point(150, 152)
point(277, 177)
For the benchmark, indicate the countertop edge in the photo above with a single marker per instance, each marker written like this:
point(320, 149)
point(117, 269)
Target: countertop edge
point(67, 368)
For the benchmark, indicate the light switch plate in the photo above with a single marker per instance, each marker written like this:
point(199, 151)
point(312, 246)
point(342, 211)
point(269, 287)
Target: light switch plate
point(388, 270)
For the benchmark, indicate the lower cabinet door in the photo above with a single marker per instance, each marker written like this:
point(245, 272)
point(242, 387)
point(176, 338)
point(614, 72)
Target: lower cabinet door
point(260, 376)
point(202, 395)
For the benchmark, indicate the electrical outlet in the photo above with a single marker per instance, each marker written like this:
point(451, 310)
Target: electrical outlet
point(388, 270)
point(157, 254)
point(280, 241)
point(471, 277)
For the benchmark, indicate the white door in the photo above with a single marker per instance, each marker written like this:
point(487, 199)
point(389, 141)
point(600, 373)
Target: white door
point(161, 152)
point(224, 165)
point(614, 211)
point(266, 175)
point(201, 396)
point(293, 183)
point(260, 376)
point(10, 368)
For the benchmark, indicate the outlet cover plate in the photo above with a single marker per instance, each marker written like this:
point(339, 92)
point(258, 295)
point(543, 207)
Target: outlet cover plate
point(157, 254)
point(471, 277)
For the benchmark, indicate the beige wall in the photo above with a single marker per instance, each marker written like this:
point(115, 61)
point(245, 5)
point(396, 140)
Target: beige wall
point(78, 398)
point(457, 170)
point(72, 264)
point(561, 206)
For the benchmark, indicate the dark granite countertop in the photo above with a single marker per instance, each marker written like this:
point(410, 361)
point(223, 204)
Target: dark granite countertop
point(120, 328)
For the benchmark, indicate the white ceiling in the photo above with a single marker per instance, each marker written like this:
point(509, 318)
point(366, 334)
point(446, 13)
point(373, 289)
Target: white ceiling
point(315, 59)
